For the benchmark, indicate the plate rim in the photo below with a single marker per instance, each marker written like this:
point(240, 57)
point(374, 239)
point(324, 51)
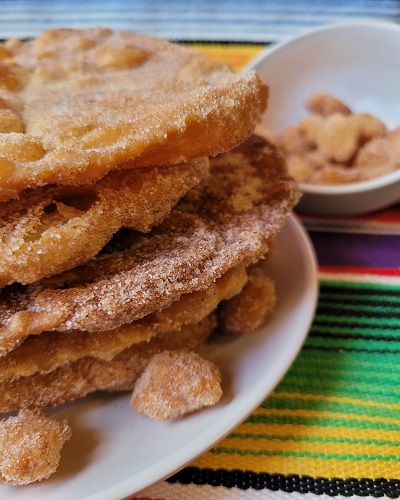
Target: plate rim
point(125, 489)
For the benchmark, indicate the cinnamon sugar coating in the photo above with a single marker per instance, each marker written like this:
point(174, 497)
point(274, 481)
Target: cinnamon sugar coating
point(30, 445)
point(52, 229)
point(78, 102)
point(226, 221)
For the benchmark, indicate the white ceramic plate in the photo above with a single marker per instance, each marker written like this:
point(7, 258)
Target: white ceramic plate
point(114, 453)
point(356, 62)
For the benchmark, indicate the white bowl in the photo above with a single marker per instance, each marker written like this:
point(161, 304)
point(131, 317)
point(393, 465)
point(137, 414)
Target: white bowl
point(356, 62)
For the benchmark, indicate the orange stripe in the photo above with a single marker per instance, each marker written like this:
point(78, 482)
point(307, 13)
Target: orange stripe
point(236, 56)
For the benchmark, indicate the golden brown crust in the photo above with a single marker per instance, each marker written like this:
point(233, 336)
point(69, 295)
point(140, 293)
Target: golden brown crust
point(52, 229)
point(227, 221)
point(87, 100)
point(46, 352)
point(87, 375)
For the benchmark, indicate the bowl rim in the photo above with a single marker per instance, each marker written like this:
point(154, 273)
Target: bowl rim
point(310, 33)
point(348, 187)
point(352, 187)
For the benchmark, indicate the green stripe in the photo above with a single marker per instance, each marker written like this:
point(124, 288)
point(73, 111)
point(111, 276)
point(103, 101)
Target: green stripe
point(376, 362)
point(348, 361)
point(354, 320)
point(351, 285)
point(354, 343)
point(360, 308)
point(327, 378)
point(318, 421)
point(329, 406)
point(344, 375)
point(341, 374)
point(355, 330)
point(306, 454)
point(341, 390)
point(313, 439)
point(343, 297)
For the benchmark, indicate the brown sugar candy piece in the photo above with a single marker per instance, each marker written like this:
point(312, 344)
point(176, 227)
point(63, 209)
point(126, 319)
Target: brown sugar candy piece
point(175, 383)
point(324, 104)
point(338, 138)
point(377, 157)
point(292, 141)
point(30, 445)
point(334, 173)
point(94, 98)
point(247, 311)
point(304, 166)
point(333, 145)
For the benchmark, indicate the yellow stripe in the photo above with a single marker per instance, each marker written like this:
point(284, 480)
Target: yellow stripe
point(237, 56)
point(303, 466)
point(315, 413)
point(316, 448)
point(318, 466)
point(314, 431)
point(315, 397)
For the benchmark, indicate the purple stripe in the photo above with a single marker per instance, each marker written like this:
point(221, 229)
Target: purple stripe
point(359, 250)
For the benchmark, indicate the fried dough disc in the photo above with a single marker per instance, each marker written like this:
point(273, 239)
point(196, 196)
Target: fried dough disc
point(43, 353)
point(84, 100)
point(52, 229)
point(227, 221)
point(86, 375)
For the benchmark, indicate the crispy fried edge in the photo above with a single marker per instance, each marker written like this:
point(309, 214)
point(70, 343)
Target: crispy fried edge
point(87, 375)
point(48, 351)
point(145, 199)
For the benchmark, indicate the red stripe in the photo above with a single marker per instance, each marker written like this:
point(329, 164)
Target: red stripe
point(145, 498)
point(386, 216)
point(379, 271)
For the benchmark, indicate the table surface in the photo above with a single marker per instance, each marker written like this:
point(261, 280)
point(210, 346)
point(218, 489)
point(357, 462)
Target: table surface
point(332, 426)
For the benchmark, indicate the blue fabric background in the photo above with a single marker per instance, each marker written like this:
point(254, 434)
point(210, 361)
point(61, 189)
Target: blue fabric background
point(191, 20)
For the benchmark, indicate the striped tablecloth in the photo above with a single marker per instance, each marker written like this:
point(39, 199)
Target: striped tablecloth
point(332, 426)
